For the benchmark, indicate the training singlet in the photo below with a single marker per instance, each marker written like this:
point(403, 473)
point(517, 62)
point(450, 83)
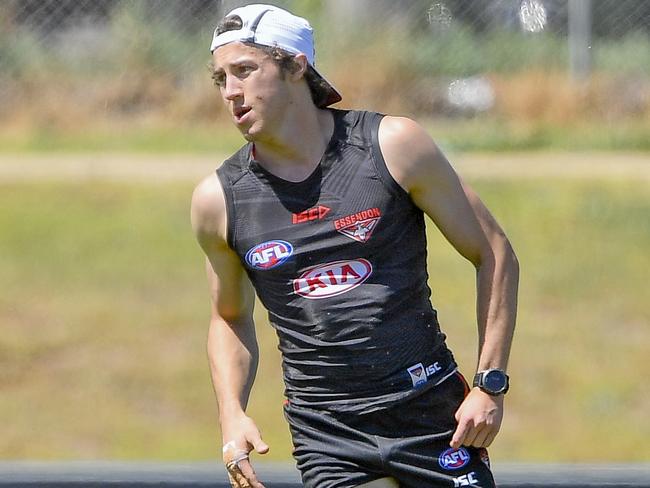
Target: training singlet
point(339, 262)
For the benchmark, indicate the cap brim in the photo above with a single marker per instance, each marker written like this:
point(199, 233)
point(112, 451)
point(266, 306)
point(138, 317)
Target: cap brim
point(333, 96)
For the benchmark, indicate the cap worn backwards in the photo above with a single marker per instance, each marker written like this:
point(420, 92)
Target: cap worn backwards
point(268, 25)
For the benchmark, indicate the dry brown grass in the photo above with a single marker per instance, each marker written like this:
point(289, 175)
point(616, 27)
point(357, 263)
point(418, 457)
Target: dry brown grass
point(75, 105)
point(552, 97)
point(146, 99)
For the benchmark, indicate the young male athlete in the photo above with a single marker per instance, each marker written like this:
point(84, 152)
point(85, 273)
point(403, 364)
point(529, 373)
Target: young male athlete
point(323, 212)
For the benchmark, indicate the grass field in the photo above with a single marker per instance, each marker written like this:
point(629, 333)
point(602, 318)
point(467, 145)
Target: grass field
point(104, 311)
point(475, 134)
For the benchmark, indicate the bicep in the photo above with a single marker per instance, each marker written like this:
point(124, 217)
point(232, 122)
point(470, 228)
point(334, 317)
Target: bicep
point(443, 198)
point(231, 293)
point(230, 290)
point(423, 171)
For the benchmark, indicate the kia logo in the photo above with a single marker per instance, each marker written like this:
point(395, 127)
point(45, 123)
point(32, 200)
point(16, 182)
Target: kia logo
point(331, 279)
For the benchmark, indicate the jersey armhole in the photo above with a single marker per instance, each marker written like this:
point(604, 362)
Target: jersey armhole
point(379, 161)
point(230, 208)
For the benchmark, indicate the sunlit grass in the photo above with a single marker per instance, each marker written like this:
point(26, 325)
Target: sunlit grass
point(486, 134)
point(583, 332)
point(198, 139)
point(104, 313)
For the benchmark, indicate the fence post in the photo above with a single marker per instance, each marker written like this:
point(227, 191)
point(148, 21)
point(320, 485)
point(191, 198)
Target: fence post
point(579, 39)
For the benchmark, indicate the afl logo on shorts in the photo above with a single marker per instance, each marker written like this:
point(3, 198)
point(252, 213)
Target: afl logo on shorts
point(454, 458)
point(331, 279)
point(269, 254)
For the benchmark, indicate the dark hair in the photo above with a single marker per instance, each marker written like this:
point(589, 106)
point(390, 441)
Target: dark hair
point(318, 87)
point(230, 23)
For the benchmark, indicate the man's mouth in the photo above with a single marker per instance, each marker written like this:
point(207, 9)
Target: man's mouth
point(239, 112)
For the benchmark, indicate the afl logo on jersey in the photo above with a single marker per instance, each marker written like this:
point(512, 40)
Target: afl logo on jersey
point(331, 279)
point(269, 254)
point(454, 458)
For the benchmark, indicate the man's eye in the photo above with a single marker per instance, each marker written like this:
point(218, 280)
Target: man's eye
point(245, 70)
point(219, 79)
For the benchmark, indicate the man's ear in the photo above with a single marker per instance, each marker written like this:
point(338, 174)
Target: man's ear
point(299, 68)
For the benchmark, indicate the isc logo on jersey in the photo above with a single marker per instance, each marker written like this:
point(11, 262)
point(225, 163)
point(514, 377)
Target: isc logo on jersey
point(454, 458)
point(419, 374)
point(269, 254)
point(331, 279)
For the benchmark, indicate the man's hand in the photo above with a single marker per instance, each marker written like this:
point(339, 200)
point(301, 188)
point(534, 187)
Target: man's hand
point(240, 438)
point(479, 419)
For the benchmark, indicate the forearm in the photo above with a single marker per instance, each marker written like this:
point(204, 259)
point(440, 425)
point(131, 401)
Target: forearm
point(233, 356)
point(497, 286)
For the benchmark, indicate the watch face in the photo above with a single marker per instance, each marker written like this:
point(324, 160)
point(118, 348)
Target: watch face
point(494, 381)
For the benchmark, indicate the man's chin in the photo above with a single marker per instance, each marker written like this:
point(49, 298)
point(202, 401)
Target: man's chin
point(249, 133)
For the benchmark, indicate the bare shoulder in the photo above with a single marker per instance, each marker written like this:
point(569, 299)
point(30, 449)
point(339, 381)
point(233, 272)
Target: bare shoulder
point(231, 293)
point(411, 155)
point(209, 210)
point(402, 130)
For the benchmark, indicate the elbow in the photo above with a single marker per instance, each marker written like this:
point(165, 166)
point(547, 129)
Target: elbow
point(510, 260)
point(499, 255)
point(511, 256)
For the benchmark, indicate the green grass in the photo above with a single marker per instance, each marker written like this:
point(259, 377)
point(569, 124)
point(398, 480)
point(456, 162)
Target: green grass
point(484, 134)
point(492, 135)
point(104, 312)
point(581, 346)
point(155, 140)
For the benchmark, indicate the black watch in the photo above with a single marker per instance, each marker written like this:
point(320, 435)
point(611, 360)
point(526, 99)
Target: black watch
point(492, 381)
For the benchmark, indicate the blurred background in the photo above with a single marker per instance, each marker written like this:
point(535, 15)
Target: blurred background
point(108, 118)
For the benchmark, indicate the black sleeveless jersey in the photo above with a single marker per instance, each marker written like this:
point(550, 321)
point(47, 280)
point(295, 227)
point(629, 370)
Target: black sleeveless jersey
point(339, 262)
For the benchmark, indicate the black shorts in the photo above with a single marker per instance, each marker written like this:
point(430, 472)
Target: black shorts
point(408, 441)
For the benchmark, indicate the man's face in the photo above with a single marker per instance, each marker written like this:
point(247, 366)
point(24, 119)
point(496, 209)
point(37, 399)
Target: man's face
point(252, 88)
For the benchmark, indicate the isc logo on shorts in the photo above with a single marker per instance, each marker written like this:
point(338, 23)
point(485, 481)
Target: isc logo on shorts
point(468, 479)
point(269, 254)
point(331, 279)
point(454, 458)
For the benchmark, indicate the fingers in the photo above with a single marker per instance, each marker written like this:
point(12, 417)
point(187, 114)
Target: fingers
point(481, 436)
point(260, 446)
point(242, 436)
point(473, 432)
point(240, 471)
point(479, 418)
point(242, 475)
point(460, 434)
point(490, 438)
point(468, 434)
point(232, 453)
point(236, 478)
point(255, 439)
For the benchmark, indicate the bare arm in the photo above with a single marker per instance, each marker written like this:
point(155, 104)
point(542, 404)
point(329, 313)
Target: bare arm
point(422, 170)
point(497, 291)
point(232, 345)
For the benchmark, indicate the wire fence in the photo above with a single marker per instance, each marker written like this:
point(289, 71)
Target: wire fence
point(63, 62)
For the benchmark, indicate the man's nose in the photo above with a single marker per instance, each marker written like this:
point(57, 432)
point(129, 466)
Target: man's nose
point(233, 88)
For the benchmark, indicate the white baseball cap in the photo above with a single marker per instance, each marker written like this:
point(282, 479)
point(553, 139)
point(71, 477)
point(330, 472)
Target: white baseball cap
point(268, 25)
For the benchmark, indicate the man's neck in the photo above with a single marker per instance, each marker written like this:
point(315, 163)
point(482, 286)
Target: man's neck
point(297, 149)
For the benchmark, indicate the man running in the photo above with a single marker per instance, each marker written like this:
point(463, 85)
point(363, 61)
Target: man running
point(322, 211)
